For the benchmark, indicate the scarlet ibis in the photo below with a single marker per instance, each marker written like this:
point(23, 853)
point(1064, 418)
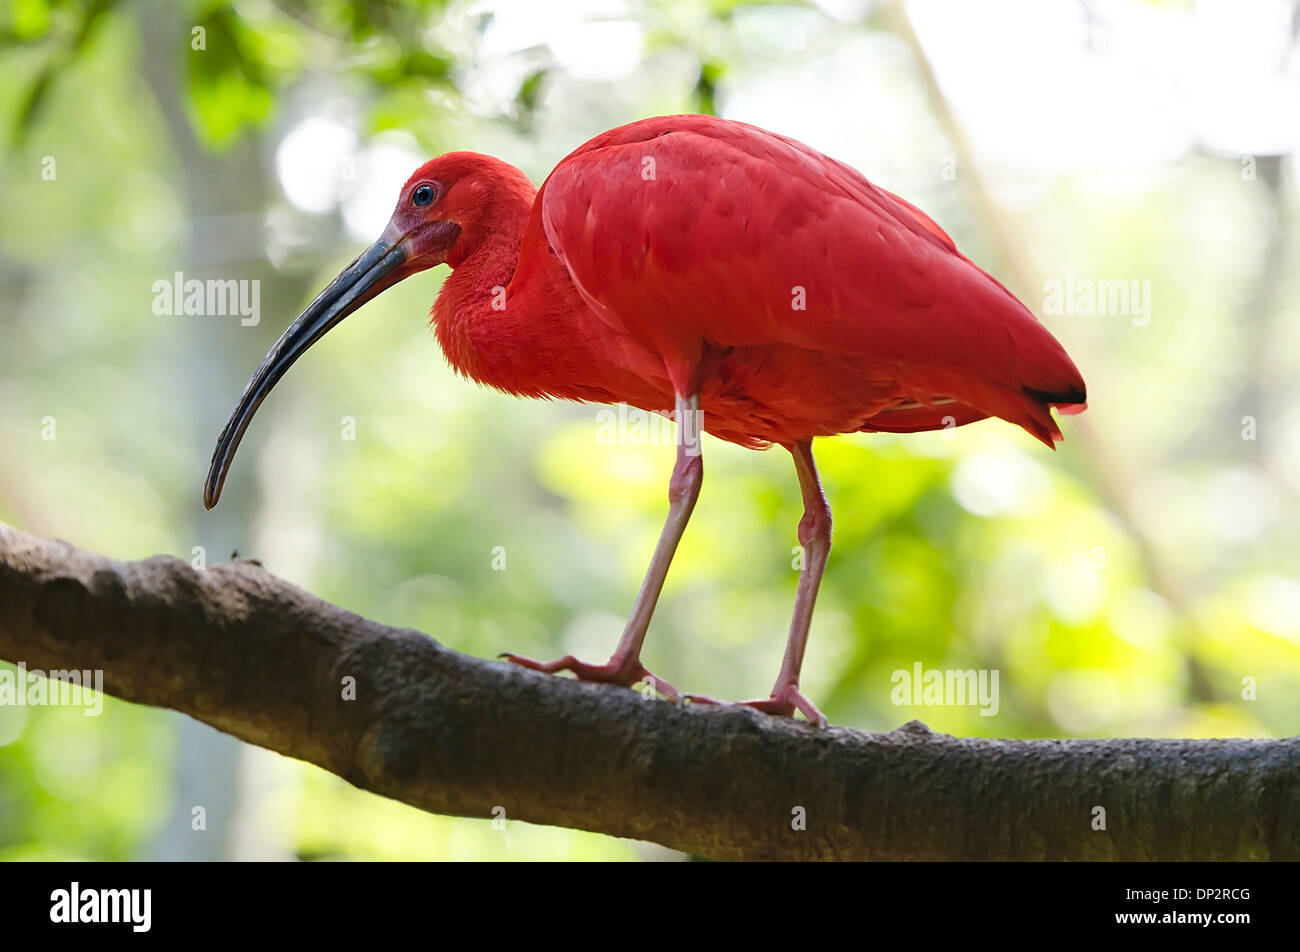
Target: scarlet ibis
point(767, 293)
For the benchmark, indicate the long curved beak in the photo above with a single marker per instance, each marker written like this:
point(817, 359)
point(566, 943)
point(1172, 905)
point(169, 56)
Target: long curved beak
point(358, 282)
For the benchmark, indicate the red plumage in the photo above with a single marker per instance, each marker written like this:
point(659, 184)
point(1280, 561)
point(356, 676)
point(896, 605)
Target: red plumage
point(767, 292)
point(680, 248)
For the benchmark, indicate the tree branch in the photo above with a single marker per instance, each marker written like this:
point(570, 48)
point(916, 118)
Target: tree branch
point(260, 659)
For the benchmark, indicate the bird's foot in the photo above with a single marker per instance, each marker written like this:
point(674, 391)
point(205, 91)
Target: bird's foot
point(783, 702)
point(629, 674)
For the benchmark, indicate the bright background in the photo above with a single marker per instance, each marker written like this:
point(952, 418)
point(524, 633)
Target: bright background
point(1123, 586)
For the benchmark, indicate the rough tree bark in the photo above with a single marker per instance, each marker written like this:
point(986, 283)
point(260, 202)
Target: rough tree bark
point(254, 656)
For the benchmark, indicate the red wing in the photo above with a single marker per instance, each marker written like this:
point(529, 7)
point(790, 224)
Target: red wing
point(688, 230)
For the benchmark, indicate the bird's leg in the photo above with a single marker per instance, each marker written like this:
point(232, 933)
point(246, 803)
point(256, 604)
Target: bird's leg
point(624, 666)
point(815, 537)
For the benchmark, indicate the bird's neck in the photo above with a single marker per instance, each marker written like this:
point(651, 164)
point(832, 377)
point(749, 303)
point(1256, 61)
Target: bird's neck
point(505, 322)
point(475, 290)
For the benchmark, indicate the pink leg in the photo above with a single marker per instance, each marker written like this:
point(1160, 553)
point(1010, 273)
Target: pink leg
point(815, 537)
point(624, 666)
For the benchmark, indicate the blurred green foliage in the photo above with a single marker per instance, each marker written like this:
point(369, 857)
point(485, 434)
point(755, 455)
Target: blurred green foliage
point(1114, 586)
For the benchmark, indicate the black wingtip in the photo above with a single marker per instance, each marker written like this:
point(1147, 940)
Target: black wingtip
point(1066, 397)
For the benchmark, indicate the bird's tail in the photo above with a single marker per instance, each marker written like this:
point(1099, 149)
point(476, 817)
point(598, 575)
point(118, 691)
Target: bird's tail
point(1027, 407)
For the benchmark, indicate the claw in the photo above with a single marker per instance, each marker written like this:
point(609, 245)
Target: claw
point(783, 703)
point(624, 673)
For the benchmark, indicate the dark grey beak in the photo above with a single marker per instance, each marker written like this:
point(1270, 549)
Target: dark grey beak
point(357, 283)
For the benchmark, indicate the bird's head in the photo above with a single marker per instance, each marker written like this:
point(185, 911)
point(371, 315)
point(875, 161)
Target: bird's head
point(453, 203)
point(445, 212)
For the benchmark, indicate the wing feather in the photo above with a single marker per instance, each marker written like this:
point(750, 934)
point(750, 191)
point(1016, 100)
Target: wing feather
point(689, 231)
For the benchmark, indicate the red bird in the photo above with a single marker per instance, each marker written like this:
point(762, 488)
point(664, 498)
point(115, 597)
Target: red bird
point(764, 292)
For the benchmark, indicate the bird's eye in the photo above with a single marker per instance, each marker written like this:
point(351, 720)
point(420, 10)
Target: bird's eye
point(422, 195)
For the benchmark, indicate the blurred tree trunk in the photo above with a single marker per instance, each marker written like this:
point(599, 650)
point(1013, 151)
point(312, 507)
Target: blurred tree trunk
point(226, 196)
